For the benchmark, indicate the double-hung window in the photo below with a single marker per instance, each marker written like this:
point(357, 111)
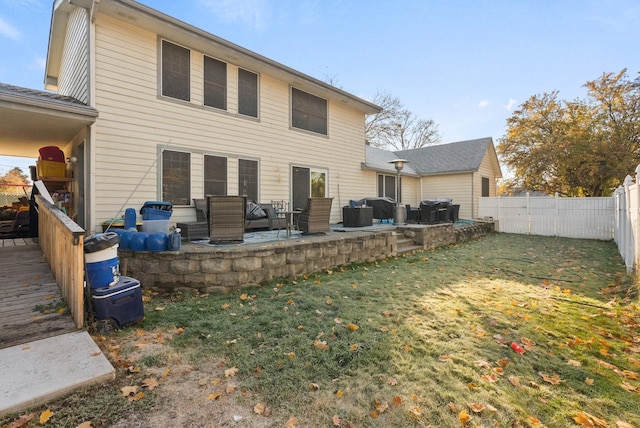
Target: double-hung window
point(215, 175)
point(215, 83)
point(308, 112)
point(176, 71)
point(247, 93)
point(248, 179)
point(176, 177)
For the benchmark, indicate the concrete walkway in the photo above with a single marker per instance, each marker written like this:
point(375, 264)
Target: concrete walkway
point(37, 372)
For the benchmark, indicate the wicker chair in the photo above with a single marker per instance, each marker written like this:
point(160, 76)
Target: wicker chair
point(315, 216)
point(226, 218)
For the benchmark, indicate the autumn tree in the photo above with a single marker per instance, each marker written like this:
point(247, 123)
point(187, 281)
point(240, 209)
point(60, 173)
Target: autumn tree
point(575, 148)
point(13, 178)
point(397, 128)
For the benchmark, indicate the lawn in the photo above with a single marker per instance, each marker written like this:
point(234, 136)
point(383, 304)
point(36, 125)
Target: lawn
point(506, 331)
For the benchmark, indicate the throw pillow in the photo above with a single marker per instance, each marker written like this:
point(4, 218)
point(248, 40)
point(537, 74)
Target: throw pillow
point(254, 211)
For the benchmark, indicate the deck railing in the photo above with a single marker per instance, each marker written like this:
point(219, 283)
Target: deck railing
point(62, 242)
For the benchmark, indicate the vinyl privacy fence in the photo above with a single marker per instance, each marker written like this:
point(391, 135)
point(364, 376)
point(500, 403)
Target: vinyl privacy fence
point(607, 218)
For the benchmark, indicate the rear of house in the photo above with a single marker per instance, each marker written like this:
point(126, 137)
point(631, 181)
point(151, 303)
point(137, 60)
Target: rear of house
point(184, 114)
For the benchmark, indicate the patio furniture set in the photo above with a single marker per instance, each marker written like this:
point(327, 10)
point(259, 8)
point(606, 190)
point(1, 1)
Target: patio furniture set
point(226, 218)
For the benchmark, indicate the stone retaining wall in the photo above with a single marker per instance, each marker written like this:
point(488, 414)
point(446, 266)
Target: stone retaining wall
point(224, 268)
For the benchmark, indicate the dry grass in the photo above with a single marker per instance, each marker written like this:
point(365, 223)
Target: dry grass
point(432, 343)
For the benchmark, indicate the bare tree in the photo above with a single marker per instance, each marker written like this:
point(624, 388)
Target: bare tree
point(397, 128)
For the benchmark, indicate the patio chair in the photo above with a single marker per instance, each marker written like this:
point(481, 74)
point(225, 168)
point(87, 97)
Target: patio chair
point(199, 229)
point(16, 228)
point(314, 218)
point(226, 218)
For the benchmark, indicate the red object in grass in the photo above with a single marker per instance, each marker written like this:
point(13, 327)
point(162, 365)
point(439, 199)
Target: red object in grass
point(517, 348)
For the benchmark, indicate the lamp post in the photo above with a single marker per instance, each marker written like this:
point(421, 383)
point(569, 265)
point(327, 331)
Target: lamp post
point(398, 214)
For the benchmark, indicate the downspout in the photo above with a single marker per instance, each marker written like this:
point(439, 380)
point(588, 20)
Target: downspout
point(90, 152)
point(473, 197)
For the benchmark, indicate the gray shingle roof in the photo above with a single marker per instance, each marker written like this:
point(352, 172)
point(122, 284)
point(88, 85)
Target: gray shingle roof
point(458, 157)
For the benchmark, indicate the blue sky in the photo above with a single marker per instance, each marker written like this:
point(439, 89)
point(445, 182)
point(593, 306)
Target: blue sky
point(467, 64)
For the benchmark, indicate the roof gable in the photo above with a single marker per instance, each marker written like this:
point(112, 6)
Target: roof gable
point(450, 158)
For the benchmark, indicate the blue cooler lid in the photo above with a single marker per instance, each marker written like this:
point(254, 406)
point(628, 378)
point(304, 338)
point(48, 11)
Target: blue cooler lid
point(158, 205)
point(100, 242)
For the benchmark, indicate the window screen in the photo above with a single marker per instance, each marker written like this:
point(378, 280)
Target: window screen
point(176, 177)
point(248, 179)
point(308, 112)
point(247, 93)
point(215, 83)
point(215, 175)
point(176, 66)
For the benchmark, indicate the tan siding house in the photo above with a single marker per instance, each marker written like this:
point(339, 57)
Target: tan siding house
point(462, 171)
point(183, 113)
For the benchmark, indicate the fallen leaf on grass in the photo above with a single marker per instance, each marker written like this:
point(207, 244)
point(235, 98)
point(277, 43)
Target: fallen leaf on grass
point(621, 424)
point(588, 381)
point(476, 407)
point(381, 407)
point(259, 408)
point(150, 383)
point(336, 420)
point(214, 396)
point(314, 386)
point(21, 421)
point(533, 420)
point(553, 380)
point(392, 381)
point(443, 358)
point(291, 423)
point(416, 411)
point(321, 344)
point(396, 401)
point(515, 381)
point(453, 408)
point(352, 327)
point(290, 354)
point(128, 391)
point(464, 417)
point(628, 387)
point(574, 363)
point(85, 425)
point(231, 372)
point(45, 416)
point(587, 420)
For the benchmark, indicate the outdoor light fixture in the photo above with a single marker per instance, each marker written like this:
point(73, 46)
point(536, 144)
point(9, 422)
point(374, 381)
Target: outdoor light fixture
point(398, 214)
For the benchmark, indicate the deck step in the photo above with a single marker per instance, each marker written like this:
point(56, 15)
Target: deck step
point(407, 245)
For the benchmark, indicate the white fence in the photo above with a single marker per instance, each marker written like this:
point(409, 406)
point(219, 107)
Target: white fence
point(604, 218)
point(589, 218)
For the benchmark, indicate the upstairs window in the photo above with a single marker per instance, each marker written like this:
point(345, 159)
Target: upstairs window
point(485, 187)
point(215, 83)
point(308, 112)
point(176, 177)
point(176, 71)
point(247, 93)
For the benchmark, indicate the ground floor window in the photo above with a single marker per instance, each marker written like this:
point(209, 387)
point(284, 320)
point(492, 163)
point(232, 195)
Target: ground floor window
point(387, 186)
point(248, 179)
point(215, 175)
point(176, 177)
point(485, 187)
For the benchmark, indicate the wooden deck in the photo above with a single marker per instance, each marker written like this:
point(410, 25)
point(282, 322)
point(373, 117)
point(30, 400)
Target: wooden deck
point(29, 295)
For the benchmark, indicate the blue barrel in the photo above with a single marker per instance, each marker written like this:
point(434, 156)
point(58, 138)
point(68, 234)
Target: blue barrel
point(139, 241)
point(125, 240)
point(130, 219)
point(157, 242)
point(103, 274)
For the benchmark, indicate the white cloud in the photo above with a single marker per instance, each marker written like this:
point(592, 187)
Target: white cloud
point(252, 13)
point(510, 104)
point(9, 31)
point(483, 103)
